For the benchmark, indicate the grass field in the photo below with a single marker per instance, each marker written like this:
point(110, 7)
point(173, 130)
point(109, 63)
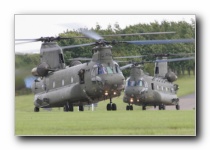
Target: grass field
point(102, 122)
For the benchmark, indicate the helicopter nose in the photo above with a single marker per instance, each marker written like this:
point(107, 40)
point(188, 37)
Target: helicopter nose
point(114, 81)
point(133, 91)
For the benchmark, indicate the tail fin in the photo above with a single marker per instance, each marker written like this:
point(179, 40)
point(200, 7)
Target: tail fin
point(53, 58)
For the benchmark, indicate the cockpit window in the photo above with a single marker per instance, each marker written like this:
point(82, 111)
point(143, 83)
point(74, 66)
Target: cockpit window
point(135, 83)
point(140, 83)
point(109, 70)
point(102, 70)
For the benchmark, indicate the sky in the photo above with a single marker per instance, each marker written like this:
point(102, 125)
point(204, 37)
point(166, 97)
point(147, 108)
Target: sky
point(36, 26)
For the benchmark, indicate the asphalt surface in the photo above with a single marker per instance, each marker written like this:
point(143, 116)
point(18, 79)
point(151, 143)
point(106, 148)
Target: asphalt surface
point(187, 102)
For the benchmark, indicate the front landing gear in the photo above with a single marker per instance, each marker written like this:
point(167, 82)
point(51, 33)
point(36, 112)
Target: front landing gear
point(36, 109)
point(111, 106)
point(129, 107)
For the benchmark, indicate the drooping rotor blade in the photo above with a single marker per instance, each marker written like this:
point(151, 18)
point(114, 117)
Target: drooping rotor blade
point(149, 42)
point(126, 66)
point(117, 35)
point(25, 42)
point(129, 57)
point(68, 47)
point(28, 52)
point(135, 34)
point(175, 59)
point(74, 46)
point(44, 39)
point(91, 34)
point(81, 58)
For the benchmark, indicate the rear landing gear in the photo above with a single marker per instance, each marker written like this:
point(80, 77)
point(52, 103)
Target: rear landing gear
point(68, 107)
point(111, 106)
point(177, 107)
point(144, 107)
point(81, 108)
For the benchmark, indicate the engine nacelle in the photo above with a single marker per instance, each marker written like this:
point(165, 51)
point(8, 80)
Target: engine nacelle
point(41, 70)
point(171, 76)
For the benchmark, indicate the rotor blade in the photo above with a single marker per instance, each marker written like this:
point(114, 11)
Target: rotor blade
point(149, 42)
point(44, 39)
point(25, 42)
point(175, 59)
point(91, 34)
point(126, 66)
point(28, 52)
point(170, 54)
point(129, 57)
point(134, 34)
point(74, 46)
point(68, 47)
point(80, 58)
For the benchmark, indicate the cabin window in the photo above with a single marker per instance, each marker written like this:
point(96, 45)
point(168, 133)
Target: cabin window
point(152, 85)
point(53, 84)
point(72, 80)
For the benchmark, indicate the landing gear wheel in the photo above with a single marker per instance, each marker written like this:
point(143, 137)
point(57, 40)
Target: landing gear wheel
point(71, 107)
point(127, 107)
point(162, 107)
point(108, 107)
point(36, 109)
point(143, 107)
point(114, 106)
point(65, 108)
point(81, 108)
point(177, 107)
point(68, 107)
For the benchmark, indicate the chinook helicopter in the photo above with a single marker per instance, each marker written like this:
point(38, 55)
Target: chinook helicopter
point(99, 79)
point(158, 90)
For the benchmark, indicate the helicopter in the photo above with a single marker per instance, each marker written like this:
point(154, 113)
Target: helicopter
point(158, 90)
point(58, 85)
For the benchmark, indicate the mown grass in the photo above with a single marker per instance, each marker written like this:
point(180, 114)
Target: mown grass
point(120, 122)
point(102, 122)
point(186, 85)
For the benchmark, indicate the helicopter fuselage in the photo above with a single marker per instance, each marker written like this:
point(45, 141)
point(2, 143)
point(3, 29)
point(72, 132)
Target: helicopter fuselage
point(144, 90)
point(86, 83)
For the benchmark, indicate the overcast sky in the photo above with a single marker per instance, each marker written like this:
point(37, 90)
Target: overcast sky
point(36, 26)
